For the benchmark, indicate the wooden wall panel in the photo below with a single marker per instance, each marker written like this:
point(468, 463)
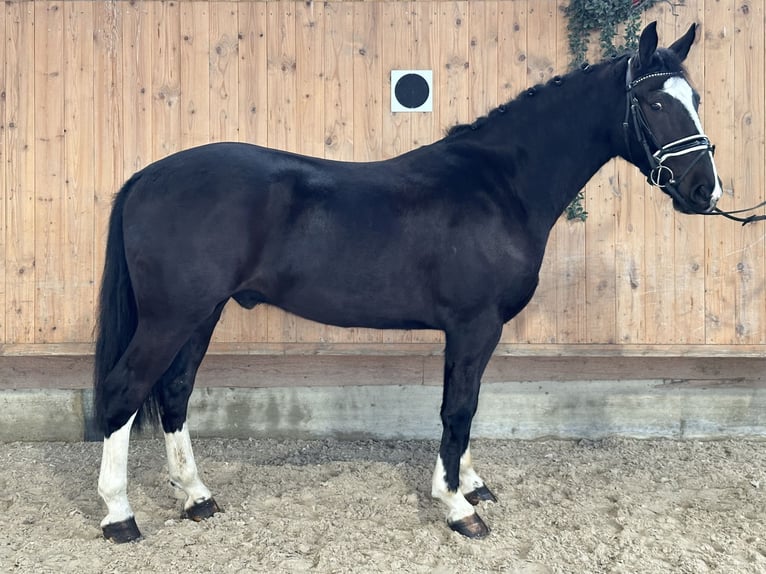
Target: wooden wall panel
point(3, 166)
point(451, 63)
point(750, 159)
point(76, 243)
point(137, 28)
point(718, 117)
point(108, 126)
point(95, 91)
point(253, 62)
point(368, 103)
point(49, 171)
point(197, 60)
point(224, 72)
point(482, 56)
point(20, 275)
point(165, 77)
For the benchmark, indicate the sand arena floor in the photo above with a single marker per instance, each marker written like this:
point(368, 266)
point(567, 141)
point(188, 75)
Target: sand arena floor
point(364, 506)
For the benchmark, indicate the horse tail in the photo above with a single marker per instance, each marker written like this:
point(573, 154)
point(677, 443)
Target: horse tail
point(117, 317)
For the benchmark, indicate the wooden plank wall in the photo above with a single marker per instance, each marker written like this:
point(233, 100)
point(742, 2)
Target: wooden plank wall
point(92, 91)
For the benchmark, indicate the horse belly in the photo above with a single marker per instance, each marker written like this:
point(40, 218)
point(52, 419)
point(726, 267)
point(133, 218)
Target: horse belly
point(351, 293)
point(400, 283)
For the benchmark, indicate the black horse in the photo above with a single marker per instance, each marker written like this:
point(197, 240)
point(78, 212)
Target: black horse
point(449, 236)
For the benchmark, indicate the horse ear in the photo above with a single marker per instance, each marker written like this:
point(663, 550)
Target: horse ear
point(647, 44)
point(684, 43)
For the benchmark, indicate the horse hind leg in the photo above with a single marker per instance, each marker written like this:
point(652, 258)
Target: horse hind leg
point(125, 389)
point(175, 388)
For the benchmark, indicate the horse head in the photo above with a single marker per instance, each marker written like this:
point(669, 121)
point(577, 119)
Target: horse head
point(663, 132)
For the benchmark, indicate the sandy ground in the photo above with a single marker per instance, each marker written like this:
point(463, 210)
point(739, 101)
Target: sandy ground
point(364, 506)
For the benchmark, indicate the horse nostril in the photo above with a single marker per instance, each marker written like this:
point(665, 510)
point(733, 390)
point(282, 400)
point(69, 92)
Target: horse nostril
point(703, 197)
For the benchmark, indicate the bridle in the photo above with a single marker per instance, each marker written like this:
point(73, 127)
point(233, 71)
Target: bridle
point(661, 175)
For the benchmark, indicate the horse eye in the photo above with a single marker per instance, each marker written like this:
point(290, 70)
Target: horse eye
point(656, 106)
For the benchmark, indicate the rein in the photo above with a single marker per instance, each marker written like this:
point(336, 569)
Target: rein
point(697, 143)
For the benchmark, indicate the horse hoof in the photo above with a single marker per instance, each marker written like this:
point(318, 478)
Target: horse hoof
point(201, 510)
point(471, 526)
point(481, 494)
point(122, 532)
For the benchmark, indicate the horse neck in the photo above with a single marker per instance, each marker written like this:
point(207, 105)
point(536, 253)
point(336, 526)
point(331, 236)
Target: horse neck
point(558, 138)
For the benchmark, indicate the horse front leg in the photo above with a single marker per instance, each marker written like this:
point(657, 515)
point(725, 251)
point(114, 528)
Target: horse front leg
point(455, 482)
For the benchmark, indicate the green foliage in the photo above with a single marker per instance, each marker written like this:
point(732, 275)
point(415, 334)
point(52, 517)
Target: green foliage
point(576, 210)
point(584, 17)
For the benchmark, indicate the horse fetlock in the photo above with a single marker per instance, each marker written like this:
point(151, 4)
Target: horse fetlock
point(113, 491)
point(458, 508)
point(469, 480)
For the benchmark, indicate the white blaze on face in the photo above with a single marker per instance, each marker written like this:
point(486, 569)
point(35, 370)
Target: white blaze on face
point(678, 88)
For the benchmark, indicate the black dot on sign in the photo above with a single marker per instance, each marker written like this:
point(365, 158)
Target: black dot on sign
point(411, 91)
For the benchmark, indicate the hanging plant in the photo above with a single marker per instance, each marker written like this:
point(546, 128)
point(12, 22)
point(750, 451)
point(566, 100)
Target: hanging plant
point(584, 17)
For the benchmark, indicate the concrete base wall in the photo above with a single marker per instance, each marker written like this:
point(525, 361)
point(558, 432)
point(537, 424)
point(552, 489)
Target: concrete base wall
point(525, 410)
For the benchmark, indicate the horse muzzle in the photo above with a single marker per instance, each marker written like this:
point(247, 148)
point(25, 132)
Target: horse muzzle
point(700, 200)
